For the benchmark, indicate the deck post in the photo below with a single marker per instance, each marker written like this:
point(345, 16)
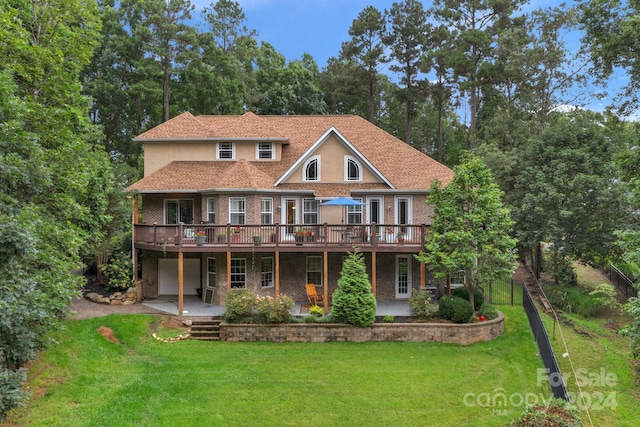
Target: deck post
point(228, 270)
point(277, 278)
point(180, 282)
point(325, 285)
point(373, 272)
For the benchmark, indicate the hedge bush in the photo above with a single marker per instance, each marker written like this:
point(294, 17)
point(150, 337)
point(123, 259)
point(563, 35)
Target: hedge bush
point(456, 309)
point(463, 292)
point(488, 312)
point(421, 305)
point(244, 306)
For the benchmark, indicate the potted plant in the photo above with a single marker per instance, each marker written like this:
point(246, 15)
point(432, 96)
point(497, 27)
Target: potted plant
point(299, 236)
point(309, 235)
point(257, 239)
point(201, 237)
point(235, 233)
point(389, 236)
point(401, 237)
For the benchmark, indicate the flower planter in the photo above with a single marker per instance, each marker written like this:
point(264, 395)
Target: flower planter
point(299, 240)
point(200, 240)
point(257, 240)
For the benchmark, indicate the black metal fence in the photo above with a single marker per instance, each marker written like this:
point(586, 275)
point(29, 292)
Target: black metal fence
point(505, 291)
point(622, 282)
point(558, 387)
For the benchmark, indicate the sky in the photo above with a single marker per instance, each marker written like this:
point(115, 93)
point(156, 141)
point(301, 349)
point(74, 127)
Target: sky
point(319, 27)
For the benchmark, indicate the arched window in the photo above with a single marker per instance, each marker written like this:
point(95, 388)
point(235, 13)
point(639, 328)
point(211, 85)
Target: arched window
point(353, 170)
point(312, 170)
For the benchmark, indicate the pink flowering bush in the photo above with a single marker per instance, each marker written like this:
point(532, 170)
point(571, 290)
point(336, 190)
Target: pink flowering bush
point(244, 306)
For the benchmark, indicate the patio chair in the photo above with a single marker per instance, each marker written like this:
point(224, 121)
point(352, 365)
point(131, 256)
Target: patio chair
point(314, 297)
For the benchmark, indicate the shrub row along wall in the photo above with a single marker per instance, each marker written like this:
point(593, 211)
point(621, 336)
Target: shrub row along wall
point(463, 334)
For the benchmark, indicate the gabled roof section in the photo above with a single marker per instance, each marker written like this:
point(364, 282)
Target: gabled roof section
point(331, 131)
point(191, 177)
point(242, 174)
point(246, 126)
point(180, 127)
point(399, 166)
point(216, 128)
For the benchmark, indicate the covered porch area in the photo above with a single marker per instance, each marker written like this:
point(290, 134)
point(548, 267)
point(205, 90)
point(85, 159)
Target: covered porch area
point(194, 307)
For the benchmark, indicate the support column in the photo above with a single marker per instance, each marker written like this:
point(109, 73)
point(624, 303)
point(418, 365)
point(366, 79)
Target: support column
point(325, 284)
point(228, 270)
point(277, 278)
point(180, 283)
point(423, 275)
point(374, 273)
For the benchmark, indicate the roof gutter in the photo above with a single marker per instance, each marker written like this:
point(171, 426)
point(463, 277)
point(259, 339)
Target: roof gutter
point(213, 139)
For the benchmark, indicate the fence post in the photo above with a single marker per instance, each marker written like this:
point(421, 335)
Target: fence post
point(512, 291)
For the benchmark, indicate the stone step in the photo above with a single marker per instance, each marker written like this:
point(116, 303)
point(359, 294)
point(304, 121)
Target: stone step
point(205, 330)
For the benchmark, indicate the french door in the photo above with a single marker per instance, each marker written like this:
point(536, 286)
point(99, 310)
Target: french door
point(403, 276)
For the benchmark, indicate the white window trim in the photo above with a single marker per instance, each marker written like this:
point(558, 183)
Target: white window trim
point(209, 272)
point(263, 212)
point(304, 169)
point(347, 159)
point(209, 212)
point(243, 212)
point(305, 212)
point(272, 272)
point(244, 273)
point(233, 151)
point(272, 149)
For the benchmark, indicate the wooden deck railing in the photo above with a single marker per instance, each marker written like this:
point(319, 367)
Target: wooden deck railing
point(190, 235)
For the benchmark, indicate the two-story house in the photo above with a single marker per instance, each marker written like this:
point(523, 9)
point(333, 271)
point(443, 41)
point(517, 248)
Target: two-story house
point(250, 201)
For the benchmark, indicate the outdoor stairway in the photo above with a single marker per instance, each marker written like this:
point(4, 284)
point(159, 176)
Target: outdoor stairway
point(206, 330)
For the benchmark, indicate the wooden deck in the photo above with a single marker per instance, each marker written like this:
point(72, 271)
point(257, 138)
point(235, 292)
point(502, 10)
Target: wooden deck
point(280, 238)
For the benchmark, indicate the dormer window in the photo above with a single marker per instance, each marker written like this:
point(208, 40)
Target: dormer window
point(352, 169)
point(265, 151)
point(226, 150)
point(312, 170)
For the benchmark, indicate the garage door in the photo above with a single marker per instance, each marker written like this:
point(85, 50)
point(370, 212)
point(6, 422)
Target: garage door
point(168, 276)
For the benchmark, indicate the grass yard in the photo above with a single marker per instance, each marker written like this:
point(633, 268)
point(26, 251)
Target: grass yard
point(601, 363)
point(86, 380)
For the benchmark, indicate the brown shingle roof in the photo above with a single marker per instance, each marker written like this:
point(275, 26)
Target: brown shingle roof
point(403, 166)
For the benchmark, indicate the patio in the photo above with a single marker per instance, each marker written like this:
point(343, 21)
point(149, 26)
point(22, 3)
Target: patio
point(194, 307)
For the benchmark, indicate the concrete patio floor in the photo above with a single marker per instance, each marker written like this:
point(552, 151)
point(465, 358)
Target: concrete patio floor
point(194, 307)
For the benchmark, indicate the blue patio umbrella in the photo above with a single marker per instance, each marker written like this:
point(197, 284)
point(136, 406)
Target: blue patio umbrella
point(343, 201)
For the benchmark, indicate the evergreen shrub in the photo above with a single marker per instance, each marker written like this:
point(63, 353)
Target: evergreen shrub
point(456, 309)
point(353, 301)
point(463, 292)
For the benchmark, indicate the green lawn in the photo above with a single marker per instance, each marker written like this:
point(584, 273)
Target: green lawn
point(85, 380)
point(143, 382)
point(598, 361)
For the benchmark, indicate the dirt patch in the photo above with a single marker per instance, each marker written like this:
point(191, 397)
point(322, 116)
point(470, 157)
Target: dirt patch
point(108, 334)
point(166, 322)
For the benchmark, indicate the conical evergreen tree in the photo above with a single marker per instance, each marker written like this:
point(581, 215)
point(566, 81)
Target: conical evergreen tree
point(353, 301)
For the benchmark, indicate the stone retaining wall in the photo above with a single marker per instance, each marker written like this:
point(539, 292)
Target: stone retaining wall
point(463, 334)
